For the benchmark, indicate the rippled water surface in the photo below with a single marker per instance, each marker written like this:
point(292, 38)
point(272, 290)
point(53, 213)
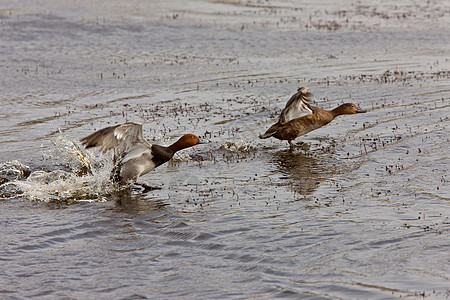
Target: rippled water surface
point(359, 211)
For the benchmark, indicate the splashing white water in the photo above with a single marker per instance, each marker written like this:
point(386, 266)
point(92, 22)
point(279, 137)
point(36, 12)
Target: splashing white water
point(237, 146)
point(71, 153)
point(85, 181)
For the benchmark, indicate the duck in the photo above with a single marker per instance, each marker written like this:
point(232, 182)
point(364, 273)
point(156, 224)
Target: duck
point(299, 117)
point(133, 155)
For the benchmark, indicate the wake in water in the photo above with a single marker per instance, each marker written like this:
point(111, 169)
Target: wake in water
point(82, 181)
point(85, 177)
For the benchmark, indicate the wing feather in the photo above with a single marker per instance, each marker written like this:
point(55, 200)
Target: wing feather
point(119, 137)
point(297, 106)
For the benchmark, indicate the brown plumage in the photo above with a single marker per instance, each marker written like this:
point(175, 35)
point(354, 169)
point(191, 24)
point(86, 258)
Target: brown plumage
point(299, 117)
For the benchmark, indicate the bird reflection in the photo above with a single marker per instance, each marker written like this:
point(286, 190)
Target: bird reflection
point(303, 171)
point(133, 202)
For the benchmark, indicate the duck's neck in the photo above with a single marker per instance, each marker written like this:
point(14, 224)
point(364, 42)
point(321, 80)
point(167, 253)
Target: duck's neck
point(337, 111)
point(178, 145)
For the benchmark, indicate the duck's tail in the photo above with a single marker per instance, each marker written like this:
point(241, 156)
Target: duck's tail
point(267, 134)
point(271, 131)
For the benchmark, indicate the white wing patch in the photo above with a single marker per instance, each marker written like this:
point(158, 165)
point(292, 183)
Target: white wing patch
point(296, 107)
point(297, 110)
point(118, 134)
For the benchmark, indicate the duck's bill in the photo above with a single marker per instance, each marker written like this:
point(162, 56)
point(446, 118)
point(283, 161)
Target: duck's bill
point(360, 110)
point(203, 141)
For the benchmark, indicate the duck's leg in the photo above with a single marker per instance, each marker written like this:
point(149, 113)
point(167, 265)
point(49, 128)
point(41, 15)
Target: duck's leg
point(291, 146)
point(147, 188)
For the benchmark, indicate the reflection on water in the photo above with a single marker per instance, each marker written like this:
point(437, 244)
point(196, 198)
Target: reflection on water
point(135, 202)
point(303, 170)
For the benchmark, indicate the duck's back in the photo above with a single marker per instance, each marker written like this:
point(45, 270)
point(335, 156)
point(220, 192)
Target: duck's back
point(140, 160)
point(300, 126)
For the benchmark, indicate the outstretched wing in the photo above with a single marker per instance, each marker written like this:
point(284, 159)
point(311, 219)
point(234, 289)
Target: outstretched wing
point(297, 106)
point(121, 137)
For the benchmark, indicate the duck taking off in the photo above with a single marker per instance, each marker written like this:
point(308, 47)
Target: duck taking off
point(299, 117)
point(133, 155)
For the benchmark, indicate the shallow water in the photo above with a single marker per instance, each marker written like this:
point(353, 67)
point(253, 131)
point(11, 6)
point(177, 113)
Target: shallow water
point(359, 211)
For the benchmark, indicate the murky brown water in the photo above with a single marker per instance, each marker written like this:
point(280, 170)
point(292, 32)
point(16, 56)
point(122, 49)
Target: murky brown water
point(363, 213)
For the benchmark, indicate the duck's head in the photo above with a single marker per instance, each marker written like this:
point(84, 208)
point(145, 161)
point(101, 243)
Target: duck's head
point(186, 141)
point(348, 109)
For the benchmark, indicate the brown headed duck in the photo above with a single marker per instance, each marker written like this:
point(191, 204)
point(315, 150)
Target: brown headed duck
point(299, 117)
point(133, 155)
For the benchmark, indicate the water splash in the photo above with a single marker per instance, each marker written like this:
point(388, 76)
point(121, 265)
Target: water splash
point(78, 160)
point(84, 182)
point(237, 146)
point(13, 170)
